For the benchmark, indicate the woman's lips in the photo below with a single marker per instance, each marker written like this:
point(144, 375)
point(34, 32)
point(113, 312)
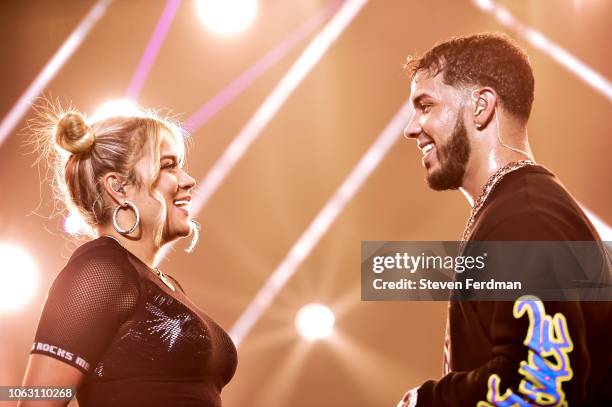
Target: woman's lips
point(184, 208)
point(183, 204)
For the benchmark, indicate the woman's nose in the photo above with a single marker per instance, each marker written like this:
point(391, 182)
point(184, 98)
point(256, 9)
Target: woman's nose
point(188, 181)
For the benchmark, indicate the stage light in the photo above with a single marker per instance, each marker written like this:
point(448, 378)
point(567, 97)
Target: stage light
point(604, 230)
point(117, 107)
point(593, 78)
point(315, 321)
point(55, 64)
point(19, 277)
point(227, 17)
point(74, 224)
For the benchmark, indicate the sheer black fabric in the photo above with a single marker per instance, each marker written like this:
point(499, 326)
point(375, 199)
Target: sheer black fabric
point(138, 342)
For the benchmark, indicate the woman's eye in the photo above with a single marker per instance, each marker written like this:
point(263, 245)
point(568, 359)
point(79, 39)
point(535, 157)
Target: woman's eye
point(169, 165)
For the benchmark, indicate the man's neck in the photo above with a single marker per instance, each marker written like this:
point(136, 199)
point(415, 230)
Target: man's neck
point(480, 171)
point(489, 154)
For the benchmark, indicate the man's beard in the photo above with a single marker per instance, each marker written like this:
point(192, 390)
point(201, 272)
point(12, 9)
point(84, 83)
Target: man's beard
point(453, 157)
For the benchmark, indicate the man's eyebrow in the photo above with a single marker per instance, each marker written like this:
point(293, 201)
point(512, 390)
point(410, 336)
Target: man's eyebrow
point(417, 100)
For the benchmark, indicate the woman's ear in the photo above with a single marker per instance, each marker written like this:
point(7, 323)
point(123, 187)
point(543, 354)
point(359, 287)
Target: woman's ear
point(114, 187)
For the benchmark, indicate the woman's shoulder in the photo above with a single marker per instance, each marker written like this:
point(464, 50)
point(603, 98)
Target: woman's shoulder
point(102, 246)
point(101, 259)
point(97, 284)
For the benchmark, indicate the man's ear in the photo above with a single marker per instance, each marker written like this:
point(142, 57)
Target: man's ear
point(484, 102)
point(114, 187)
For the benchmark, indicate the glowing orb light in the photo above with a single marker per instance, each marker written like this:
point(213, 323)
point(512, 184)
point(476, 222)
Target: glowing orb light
point(74, 224)
point(19, 275)
point(315, 321)
point(226, 17)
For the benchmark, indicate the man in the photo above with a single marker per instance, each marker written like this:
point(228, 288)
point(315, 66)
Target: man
point(472, 98)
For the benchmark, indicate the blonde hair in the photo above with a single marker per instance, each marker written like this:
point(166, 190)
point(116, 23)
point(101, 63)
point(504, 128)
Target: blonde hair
point(80, 154)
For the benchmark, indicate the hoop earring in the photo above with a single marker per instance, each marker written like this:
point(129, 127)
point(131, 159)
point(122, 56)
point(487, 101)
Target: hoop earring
point(136, 211)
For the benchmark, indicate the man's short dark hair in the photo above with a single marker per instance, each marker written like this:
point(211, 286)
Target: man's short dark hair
point(486, 59)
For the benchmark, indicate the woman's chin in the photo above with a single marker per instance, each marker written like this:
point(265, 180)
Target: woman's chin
point(177, 234)
point(184, 231)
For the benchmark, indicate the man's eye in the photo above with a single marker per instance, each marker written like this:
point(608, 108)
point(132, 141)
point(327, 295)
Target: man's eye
point(425, 108)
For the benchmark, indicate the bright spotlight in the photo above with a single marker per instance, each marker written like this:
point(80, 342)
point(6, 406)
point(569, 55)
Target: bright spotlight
point(19, 277)
point(118, 107)
point(74, 224)
point(227, 17)
point(315, 321)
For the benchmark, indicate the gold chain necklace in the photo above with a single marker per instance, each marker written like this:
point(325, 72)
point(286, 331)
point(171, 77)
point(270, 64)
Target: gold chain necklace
point(163, 278)
point(484, 195)
point(154, 270)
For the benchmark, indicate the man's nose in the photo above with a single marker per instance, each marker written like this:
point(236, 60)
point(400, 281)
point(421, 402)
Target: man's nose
point(413, 128)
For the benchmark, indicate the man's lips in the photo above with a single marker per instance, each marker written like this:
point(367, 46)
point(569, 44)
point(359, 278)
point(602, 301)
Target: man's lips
point(428, 149)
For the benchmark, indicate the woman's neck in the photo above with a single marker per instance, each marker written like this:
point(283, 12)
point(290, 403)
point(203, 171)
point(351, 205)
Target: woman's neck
point(145, 251)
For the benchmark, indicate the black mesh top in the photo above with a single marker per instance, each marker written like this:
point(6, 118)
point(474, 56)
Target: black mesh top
point(138, 342)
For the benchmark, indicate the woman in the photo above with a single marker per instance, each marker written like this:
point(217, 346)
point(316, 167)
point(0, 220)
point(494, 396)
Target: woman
point(114, 326)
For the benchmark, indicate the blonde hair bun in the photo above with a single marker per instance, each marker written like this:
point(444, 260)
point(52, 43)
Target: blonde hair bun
point(73, 134)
